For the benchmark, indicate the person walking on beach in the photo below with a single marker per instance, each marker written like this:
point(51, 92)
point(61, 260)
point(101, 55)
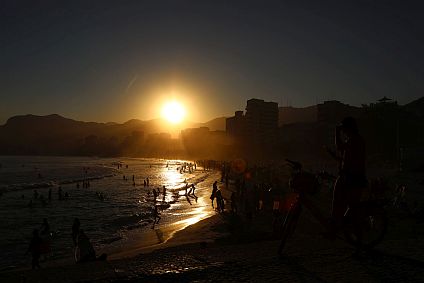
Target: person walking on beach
point(186, 188)
point(35, 249)
point(155, 194)
point(156, 216)
point(214, 190)
point(219, 201)
point(191, 192)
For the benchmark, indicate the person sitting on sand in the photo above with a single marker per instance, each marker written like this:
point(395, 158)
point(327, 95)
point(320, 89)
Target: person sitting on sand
point(85, 251)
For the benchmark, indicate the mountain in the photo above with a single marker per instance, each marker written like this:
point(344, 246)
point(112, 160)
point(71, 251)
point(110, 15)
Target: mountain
point(217, 124)
point(57, 135)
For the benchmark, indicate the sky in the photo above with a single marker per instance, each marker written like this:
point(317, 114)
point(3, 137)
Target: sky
point(118, 60)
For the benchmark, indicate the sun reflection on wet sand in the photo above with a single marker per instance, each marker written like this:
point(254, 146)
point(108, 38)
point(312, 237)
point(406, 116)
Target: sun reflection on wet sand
point(183, 213)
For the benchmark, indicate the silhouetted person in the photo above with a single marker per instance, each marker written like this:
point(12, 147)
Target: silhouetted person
point(59, 193)
point(35, 249)
point(147, 181)
point(219, 201)
point(144, 183)
point(156, 216)
point(214, 189)
point(45, 228)
point(50, 195)
point(43, 201)
point(75, 230)
point(191, 192)
point(352, 177)
point(155, 194)
point(163, 193)
point(233, 203)
point(85, 250)
point(35, 194)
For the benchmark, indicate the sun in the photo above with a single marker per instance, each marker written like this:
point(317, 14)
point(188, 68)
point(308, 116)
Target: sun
point(173, 111)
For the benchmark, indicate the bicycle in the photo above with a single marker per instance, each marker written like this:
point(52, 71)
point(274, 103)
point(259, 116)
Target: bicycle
point(363, 225)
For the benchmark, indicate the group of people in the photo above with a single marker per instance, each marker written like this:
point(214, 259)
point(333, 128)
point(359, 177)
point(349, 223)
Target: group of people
point(190, 167)
point(156, 192)
point(41, 244)
point(217, 194)
point(37, 196)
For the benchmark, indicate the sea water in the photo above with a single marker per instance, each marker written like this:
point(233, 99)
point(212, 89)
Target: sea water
point(126, 206)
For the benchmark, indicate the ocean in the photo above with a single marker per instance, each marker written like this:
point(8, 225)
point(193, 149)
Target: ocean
point(111, 210)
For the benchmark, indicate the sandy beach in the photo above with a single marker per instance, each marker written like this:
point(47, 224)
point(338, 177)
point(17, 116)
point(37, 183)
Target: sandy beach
point(224, 248)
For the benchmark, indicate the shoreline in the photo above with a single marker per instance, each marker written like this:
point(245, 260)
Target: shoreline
point(66, 271)
point(175, 218)
point(203, 252)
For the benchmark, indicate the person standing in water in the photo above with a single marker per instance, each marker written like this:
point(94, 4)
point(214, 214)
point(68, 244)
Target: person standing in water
point(35, 249)
point(45, 228)
point(75, 230)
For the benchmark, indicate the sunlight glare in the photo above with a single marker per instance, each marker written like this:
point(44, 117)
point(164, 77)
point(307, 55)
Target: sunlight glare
point(173, 111)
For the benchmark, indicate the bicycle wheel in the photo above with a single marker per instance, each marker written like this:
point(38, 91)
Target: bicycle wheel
point(289, 226)
point(365, 226)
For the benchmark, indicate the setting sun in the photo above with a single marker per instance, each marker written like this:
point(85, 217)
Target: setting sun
point(173, 111)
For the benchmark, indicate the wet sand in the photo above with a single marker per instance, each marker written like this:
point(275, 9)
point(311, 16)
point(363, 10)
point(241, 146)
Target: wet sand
point(190, 211)
point(222, 248)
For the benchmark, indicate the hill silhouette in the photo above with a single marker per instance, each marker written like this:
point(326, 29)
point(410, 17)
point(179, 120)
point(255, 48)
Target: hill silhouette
point(388, 128)
point(57, 135)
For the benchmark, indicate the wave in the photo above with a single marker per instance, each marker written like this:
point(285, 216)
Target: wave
point(52, 183)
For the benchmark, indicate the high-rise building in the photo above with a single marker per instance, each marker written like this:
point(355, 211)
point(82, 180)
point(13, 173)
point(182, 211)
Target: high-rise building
point(261, 121)
point(235, 126)
point(258, 126)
